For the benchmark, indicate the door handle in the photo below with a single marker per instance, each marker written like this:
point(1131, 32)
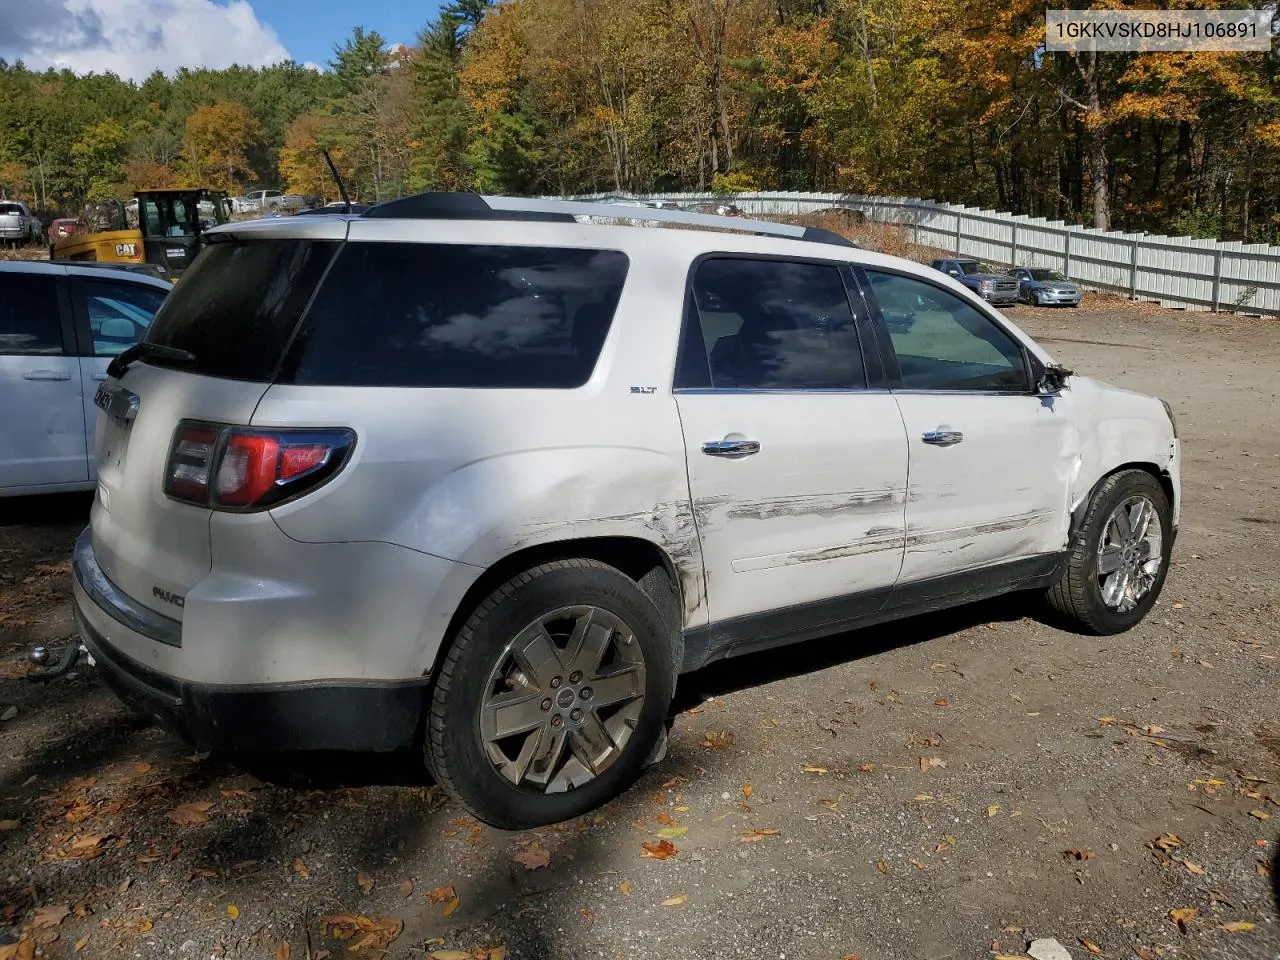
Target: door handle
point(731, 448)
point(942, 438)
point(46, 375)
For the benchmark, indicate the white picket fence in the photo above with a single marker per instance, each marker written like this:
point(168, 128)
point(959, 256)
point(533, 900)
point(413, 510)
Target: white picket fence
point(1174, 271)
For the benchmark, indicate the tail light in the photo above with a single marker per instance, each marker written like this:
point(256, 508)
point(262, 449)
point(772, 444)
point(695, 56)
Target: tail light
point(238, 468)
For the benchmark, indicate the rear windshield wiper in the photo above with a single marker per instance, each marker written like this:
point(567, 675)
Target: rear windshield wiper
point(144, 349)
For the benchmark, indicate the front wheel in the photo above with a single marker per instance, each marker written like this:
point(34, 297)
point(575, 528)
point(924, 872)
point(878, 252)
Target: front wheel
point(1119, 555)
point(552, 696)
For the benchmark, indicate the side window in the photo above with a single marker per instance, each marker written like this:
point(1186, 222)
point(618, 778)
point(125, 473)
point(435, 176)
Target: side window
point(944, 343)
point(29, 318)
point(119, 313)
point(769, 324)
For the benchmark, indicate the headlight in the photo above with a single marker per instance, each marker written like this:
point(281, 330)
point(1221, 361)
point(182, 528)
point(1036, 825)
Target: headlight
point(986, 284)
point(1172, 419)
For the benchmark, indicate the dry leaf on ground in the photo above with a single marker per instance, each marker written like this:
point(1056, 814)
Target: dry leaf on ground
point(451, 906)
point(625, 888)
point(658, 850)
point(993, 809)
point(9, 825)
point(675, 901)
point(673, 833)
point(283, 950)
point(1166, 842)
point(24, 949)
point(406, 889)
point(666, 819)
point(300, 868)
point(808, 768)
point(533, 855)
point(363, 932)
point(441, 894)
point(364, 882)
point(746, 791)
point(717, 740)
point(927, 763)
point(50, 916)
point(193, 814)
point(753, 836)
point(233, 911)
point(1260, 814)
point(1089, 945)
point(1077, 854)
point(1181, 916)
point(866, 768)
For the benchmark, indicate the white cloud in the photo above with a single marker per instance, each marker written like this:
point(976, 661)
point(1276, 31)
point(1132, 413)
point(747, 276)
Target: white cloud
point(132, 38)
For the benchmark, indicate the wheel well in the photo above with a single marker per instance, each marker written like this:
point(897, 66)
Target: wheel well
point(1161, 477)
point(643, 561)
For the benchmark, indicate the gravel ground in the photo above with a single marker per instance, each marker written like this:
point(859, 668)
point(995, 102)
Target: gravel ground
point(951, 786)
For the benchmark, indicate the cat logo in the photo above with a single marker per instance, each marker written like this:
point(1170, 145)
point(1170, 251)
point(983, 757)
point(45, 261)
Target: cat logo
point(126, 250)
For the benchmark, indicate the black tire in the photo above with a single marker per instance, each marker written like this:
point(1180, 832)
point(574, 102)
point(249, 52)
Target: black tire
point(1077, 596)
point(454, 750)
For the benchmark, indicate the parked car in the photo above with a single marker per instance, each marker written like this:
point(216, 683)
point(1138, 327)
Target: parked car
point(274, 201)
point(982, 278)
point(1045, 287)
point(65, 227)
point(18, 224)
point(60, 325)
point(556, 464)
point(715, 208)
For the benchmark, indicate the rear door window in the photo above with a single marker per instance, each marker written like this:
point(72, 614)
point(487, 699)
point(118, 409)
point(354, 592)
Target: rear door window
point(238, 305)
point(118, 313)
point(30, 322)
point(458, 315)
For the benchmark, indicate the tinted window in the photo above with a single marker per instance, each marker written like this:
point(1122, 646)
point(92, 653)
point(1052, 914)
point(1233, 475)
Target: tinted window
point(944, 343)
point(29, 319)
point(119, 313)
point(769, 324)
point(455, 315)
point(237, 306)
point(7, 209)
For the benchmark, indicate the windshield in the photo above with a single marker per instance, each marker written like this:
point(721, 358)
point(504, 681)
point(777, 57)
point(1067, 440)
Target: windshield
point(169, 216)
point(976, 266)
point(1046, 275)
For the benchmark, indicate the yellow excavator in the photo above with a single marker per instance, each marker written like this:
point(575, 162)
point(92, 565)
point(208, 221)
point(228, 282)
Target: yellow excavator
point(163, 228)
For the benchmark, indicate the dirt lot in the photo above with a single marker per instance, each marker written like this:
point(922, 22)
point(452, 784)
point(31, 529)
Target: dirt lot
point(953, 786)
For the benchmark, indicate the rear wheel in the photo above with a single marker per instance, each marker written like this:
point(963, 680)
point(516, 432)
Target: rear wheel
point(1119, 556)
point(552, 696)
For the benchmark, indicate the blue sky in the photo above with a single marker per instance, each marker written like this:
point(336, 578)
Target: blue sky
point(309, 29)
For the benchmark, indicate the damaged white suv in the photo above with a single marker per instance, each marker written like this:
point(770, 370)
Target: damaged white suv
point(479, 476)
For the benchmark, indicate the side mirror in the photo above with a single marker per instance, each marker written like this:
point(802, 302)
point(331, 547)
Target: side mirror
point(1049, 378)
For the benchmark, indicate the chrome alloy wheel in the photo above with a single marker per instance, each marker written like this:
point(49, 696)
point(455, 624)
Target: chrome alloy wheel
point(1130, 554)
point(563, 699)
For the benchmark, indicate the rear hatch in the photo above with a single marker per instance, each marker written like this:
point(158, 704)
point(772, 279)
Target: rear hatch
point(226, 326)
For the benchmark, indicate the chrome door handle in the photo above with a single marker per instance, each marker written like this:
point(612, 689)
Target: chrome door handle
point(731, 448)
point(942, 438)
point(46, 375)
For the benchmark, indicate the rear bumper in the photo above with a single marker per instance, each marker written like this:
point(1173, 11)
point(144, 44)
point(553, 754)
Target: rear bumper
point(14, 233)
point(376, 715)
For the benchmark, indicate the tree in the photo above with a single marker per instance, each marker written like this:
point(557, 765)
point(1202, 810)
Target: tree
point(99, 159)
point(360, 56)
point(302, 165)
point(215, 146)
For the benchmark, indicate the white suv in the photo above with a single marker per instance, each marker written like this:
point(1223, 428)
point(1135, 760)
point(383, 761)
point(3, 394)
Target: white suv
point(475, 475)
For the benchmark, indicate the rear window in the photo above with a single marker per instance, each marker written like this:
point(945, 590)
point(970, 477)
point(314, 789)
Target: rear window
point(237, 306)
point(458, 315)
point(10, 208)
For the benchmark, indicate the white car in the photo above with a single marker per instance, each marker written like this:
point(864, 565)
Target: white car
point(60, 325)
point(473, 474)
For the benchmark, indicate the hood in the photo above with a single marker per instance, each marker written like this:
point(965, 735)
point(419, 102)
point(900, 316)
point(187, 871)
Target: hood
point(1056, 284)
point(987, 276)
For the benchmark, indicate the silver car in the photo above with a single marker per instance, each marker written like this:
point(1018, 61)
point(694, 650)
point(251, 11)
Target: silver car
point(1045, 287)
point(60, 325)
point(18, 224)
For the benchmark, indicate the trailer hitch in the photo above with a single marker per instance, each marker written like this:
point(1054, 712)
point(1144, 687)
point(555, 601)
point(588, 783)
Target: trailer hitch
point(50, 666)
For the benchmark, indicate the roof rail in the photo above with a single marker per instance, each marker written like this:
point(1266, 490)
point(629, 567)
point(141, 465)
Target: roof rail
point(473, 206)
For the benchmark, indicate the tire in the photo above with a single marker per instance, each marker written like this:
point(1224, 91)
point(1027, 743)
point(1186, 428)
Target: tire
point(473, 672)
point(1079, 595)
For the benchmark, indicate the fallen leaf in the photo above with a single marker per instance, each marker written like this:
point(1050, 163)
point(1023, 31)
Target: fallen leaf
point(1166, 842)
point(665, 819)
point(1181, 916)
point(234, 793)
point(1238, 926)
point(717, 740)
point(300, 868)
point(452, 905)
point(1077, 854)
point(1260, 814)
point(753, 836)
point(497, 953)
point(9, 825)
point(927, 763)
point(993, 809)
point(450, 955)
point(82, 943)
point(1250, 778)
point(807, 768)
point(671, 833)
point(24, 949)
point(406, 889)
point(534, 856)
point(124, 885)
point(661, 850)
point(365, 883)
point(1089, 945)
point(625, 888)
point(374, 934)
point(675, 901)
point(882, 867)
point(866, 768)
point(441, 894)
point(746, 791)
point(233, 911)
point(46, 917)
point(283, 950)
point(942, 702)
point(193, 814)
point(1193, 868)
point(948, 841)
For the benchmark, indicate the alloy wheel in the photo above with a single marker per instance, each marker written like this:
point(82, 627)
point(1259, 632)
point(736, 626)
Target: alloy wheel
point(1130, 554)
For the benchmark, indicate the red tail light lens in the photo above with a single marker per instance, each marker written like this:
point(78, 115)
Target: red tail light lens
point(236, 468)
